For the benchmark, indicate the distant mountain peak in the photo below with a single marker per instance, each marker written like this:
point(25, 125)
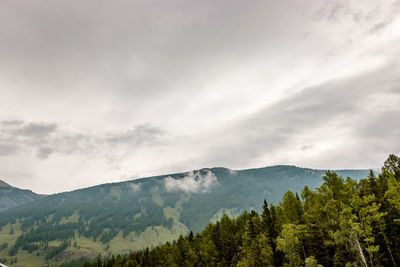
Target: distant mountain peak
point(4, 184)
point(11, 196)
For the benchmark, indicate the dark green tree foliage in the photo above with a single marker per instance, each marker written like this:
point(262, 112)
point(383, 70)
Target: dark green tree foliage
point(269, 228)
point(3, 246)
point(341, 223)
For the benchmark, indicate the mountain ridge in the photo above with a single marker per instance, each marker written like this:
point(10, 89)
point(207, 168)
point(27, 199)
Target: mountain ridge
point(111, 217)
point(11, 196)
point(161, 176)
point(4, 184)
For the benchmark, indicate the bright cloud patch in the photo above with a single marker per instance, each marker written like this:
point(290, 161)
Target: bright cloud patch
point(135, 187)
point(194, 182)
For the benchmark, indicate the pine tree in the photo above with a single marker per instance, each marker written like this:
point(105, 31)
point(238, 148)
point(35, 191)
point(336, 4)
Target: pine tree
point(266, 217)
point(216, 238)
point(190, 237)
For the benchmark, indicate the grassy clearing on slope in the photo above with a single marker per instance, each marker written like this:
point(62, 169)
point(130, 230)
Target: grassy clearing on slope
point(23, 257)
point(156, 197)
point(87, 247)
point(74, 218)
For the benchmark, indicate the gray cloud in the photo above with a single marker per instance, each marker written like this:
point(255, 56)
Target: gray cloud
point(47, 138)
point(12, 123)
point(36, 130)
point(8, 149)
point(335, 11)
point(361, 112)
point(379, 26)
point(44, 152)
point(20, 133)
point(145, 88)
point(141, 134)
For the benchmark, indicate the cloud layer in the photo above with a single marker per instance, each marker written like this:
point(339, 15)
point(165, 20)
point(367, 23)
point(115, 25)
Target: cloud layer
point(46, 138)
point(193, 182)
point(109, 91)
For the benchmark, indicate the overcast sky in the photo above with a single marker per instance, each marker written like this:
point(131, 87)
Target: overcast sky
point(104, 91)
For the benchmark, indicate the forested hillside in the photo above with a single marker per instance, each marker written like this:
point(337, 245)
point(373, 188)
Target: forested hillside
point(128, 216)
point(344, 222)
point(11, 196)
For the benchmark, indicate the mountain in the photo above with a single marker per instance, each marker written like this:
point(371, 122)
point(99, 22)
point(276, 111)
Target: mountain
point(119, 217)
point(11, 196)
point(4, 184)
point(318, 230)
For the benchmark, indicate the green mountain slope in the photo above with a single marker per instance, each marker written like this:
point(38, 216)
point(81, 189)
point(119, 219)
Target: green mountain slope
point(118, 217)
point(11, 196)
